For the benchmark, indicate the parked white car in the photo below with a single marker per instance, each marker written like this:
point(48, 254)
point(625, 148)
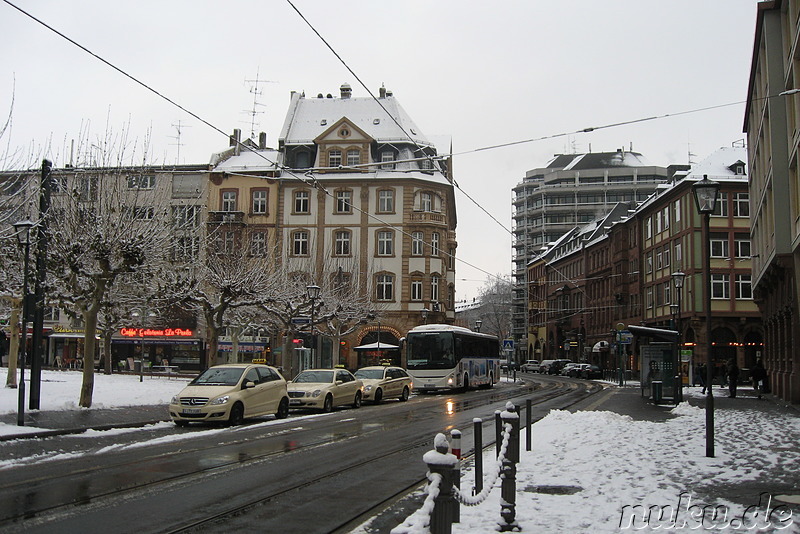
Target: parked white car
point(530, 366)
point(230, 394)
point(381, 382)
point(325, 389)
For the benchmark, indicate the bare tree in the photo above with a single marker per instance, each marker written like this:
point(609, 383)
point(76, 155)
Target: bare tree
point(230, 277)
point(495, 311)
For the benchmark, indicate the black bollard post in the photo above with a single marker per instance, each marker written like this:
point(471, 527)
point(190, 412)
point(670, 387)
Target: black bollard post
point(477, 432)
point(455, 440)
point(442, 462)
point(528, 425)
point(498, 429)
point(508, 498)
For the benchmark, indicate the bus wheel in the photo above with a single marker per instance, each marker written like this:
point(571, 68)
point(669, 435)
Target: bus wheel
point(490, 384)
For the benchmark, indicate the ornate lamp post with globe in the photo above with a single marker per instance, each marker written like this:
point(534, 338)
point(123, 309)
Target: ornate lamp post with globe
point(706, 193)
point(678, 278)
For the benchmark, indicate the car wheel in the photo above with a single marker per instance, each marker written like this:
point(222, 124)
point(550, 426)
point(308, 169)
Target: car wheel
point(237, 414)
point(283, 409)
point(357, 400)
point(328, 405)
point(378, 396)
point(181, 423)
point(406, 393)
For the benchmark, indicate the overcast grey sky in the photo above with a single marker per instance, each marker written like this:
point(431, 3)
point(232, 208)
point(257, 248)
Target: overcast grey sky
point(483, 74)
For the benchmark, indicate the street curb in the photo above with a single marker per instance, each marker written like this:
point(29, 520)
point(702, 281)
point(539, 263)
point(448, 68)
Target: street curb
point(77, 430)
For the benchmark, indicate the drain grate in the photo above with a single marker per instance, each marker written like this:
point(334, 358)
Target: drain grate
point(554, 490)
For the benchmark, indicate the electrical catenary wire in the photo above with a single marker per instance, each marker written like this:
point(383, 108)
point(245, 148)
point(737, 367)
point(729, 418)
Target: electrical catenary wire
point(313, 182)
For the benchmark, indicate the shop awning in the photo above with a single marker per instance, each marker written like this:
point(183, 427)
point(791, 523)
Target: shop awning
point(70, 335)
point(376, 346)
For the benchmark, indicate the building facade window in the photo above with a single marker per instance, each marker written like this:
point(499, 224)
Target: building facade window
point(385, 243)
point(386, 201)
point(385, 287)
point(435, 244)
point(342, 242)
point(185, 217)
point(678, 254)
point(417, 242)
point(678, 210)
point(741, 205)
point(648, 228)
point(344, 201)
point(353, 157)
point(387, 159)
point(720, 286)
point(435, 288)
point(300, 243)
point(721, 208)
point(141, 181)
point(665, 217)
point(719, 248)
point(649, 297)
point(259, 204)
point(226, 241)
point(744, 286)
point(743, 248)
point(258, 244)
point(228, 199)
point(334, 158)
point(301, 202)
point(416, 290)
point(425, 201)
point(185, 248)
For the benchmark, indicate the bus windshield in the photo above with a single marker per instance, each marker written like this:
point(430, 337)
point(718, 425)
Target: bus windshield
point(432, 350)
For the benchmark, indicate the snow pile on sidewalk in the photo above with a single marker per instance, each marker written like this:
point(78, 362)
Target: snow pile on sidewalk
point(587, 467)
point(61, 390)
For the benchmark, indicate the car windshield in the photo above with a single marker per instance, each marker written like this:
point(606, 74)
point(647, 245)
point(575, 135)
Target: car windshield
point(374, 374)
point(219, 376)
point(314, 376)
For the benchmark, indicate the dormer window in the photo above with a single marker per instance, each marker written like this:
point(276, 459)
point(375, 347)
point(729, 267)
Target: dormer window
point(738, 168)
point(334, 158)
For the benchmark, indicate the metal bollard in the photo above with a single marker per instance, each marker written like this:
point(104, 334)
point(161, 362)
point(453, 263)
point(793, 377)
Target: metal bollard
point(508, 498)
point(477, 432)
point(455, 448)
point(442, 462)
point(528, 425)
point(498, 430)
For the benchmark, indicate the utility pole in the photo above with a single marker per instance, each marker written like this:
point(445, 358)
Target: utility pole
point(42, 236)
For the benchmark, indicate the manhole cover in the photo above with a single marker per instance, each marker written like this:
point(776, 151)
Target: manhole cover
point(554, 490)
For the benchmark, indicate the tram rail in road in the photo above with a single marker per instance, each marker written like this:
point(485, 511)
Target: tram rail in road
point(331, 469)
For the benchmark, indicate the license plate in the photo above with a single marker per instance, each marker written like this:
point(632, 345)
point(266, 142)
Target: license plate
point(191, 410)
point(294, 402)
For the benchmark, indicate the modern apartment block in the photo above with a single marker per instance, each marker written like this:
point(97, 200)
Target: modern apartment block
point(772, 125)
point(573, 189)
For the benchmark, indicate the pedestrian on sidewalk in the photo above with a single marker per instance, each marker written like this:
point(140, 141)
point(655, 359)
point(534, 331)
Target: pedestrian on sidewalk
point(759, 374)
point(700, 372)
point(732, 373)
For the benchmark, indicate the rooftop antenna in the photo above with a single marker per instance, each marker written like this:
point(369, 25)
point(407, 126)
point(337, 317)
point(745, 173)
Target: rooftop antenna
point(256, 93)
point(691, 154)
point(179, 129)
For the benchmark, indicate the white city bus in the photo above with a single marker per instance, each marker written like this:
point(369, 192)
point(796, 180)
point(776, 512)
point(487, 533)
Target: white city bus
point(440, 356)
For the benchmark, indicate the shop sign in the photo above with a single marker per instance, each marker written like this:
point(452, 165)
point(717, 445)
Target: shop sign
point(164, 332)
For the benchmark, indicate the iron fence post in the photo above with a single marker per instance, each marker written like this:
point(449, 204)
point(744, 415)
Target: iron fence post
point(442, 462)
point(508, 499)
point(477, 432)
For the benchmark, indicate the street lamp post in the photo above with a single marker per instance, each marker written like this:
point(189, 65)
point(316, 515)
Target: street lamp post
point(312, 292)
point(705, 195)
point(677, 278)
point(23, 229)
point(478, 324)
point(425, 313)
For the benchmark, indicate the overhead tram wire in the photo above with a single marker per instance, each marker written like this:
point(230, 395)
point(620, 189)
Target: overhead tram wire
point(377, 100)
point(314, 183)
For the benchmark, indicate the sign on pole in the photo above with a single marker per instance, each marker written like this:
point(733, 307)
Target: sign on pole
point(508, 344)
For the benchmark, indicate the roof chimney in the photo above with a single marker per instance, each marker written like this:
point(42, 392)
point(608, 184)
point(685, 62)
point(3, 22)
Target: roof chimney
point(235, 139)
point(262, 140)
point(345, 90)
point(382, 92)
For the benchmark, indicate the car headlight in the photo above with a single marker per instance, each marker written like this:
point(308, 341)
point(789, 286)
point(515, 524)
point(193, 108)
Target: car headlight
point(368, 388)
point(175, 400)
point(220, 400)
point(316, 393)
